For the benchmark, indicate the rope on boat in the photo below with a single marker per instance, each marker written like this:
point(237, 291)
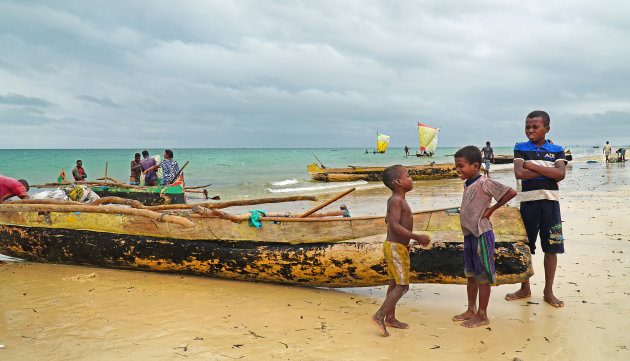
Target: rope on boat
point(175, 213)
point(253, 220)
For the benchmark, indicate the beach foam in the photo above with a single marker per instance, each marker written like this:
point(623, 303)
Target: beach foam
point(285, 182)
point(318, 187)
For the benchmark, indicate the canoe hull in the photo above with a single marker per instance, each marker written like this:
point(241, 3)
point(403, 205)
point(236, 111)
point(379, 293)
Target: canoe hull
point(146, 198)
point(420, 172)
point(352, 263)
point(504, 159)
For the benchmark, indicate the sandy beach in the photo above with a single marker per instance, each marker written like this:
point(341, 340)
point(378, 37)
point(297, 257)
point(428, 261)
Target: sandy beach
point(58, 312)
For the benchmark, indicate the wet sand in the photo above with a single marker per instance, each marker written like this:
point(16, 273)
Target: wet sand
point(57, 312)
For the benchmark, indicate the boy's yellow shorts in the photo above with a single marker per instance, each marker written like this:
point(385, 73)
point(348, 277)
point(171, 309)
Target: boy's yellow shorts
point(397, 258)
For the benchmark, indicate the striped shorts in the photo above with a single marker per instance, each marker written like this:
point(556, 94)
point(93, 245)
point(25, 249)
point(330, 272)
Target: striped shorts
point(397, 258)
point(479, 257)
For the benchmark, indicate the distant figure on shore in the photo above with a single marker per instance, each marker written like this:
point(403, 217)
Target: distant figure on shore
point(169, 166)
point(136, 170)
point(488, 157)
point(607, 151)
point(10, 187)
point(79, 172)
point(540, 166)
point(478, 235)
point(406, 150)
point(396, 247)
point(622, 154)
point(150, 178)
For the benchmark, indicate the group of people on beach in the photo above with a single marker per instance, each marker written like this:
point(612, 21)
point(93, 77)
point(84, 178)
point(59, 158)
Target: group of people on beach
point(539, 164)
point(10, 187)
point(621, 153)
point(148, 165)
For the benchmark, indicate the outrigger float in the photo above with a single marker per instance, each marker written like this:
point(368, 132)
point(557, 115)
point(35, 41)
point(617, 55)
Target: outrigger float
point(354, 173)
point(311, 249)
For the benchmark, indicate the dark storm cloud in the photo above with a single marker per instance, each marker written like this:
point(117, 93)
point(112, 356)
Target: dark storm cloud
point(21, 100)
point(331, 74)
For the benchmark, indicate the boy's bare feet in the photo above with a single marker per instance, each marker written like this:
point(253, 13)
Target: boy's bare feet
point(518, 295)
point(464, 316)
point(378, 322)
point(476, 321)
point(552, 300)
point(396, 324)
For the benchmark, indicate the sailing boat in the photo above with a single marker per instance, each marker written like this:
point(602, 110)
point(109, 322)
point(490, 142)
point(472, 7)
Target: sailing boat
point(428, 139)
point(382, 141)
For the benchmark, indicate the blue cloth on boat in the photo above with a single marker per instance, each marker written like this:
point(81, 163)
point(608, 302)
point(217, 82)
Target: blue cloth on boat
point(253, 219)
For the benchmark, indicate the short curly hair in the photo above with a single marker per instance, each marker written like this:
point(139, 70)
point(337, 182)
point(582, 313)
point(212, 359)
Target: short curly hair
point(540, 114)
point(471, 153)
point(390, 174)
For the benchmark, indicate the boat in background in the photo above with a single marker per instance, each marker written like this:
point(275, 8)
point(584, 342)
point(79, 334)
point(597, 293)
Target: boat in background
point(503, 159)
point(428, 140)
point(354, 173)
point(382, 141)
point(568, 155)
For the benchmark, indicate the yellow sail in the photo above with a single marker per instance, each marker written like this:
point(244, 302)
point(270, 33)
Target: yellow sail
point(428, 137)
point(382, 141)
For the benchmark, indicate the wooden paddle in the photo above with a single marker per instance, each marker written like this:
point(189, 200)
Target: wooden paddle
point(247, 202)
point(326, 203)
point(180, 171)
point(320, 162)
point(109, 178)
point(197, 187)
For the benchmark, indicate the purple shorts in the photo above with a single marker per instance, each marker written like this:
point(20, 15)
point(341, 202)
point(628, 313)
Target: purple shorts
point(479, 257)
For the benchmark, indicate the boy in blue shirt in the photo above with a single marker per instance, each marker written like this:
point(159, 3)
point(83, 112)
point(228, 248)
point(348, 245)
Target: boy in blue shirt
point(540, 166)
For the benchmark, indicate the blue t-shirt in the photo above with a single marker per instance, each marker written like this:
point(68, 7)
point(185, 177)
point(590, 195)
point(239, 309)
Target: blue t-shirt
point(547, 155)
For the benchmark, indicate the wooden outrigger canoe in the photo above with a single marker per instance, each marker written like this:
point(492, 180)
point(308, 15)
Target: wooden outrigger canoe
point(149, 196)
point(353, 173)
point(322, 251)
point(503, 159)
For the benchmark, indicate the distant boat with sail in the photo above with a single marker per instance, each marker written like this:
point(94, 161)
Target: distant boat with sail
point(428, 140)
point(382, 141)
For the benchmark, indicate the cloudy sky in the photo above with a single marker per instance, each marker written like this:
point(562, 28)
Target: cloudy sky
point(262, 73)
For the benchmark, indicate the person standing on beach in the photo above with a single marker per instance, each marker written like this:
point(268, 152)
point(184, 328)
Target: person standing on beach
point(540, 166)
point(10, 187)
point(79, 172)
point(607, 151)
point(396, 247)
point(478, 235)
point(136, 170)
point(169, 166)
point(406, 150)
point(150, 178)
point(488, 156)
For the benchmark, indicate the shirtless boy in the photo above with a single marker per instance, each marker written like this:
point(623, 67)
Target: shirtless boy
point(396, 247)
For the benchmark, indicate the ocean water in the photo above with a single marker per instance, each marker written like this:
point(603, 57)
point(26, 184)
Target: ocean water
point(233, 173)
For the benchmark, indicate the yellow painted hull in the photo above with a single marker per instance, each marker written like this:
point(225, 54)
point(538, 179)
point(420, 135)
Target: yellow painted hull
point(332, 252)
point(416, 172)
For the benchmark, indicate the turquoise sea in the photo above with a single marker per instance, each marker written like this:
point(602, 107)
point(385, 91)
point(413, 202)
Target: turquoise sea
point(233, 173)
